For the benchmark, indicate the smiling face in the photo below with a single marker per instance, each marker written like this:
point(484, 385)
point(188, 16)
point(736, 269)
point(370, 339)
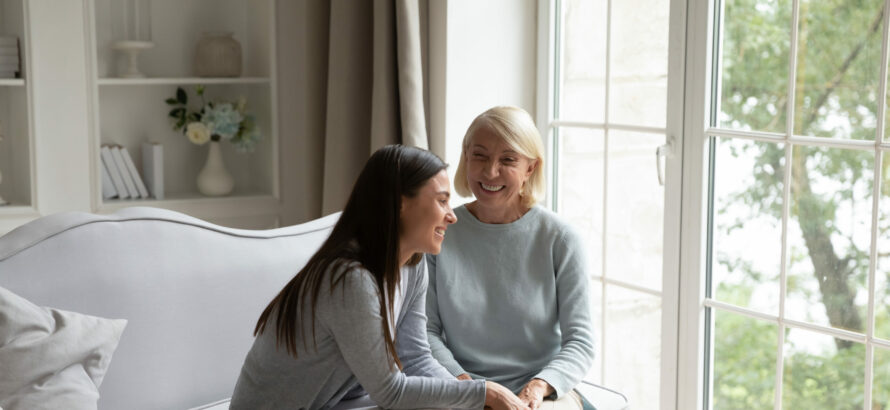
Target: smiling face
point(425, 217)
point(496, 172)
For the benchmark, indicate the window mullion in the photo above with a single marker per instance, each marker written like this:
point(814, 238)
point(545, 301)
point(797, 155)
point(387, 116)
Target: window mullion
point(786, 201)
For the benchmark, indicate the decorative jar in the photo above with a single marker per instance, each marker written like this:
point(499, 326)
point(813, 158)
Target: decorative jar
point(217, 54)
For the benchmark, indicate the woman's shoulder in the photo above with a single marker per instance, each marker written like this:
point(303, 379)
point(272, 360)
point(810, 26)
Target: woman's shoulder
point(551, 219)
point(556, 225)
point(351, 279)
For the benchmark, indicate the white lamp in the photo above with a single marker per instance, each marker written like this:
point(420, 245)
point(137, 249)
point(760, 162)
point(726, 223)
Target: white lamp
point(131, 22)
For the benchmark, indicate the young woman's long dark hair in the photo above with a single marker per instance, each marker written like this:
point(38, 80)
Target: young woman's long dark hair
point(367, 233)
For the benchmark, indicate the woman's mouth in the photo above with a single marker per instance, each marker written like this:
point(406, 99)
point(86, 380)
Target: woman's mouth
point(492, 188)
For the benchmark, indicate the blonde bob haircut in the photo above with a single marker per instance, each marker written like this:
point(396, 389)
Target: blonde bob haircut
point(517, 129)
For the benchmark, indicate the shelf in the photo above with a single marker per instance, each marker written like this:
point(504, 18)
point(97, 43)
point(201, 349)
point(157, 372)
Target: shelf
point(202, 206)
point(17, 210)
point(12, 82)
point(182, 81)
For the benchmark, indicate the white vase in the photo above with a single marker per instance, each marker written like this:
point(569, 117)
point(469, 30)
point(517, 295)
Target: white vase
point(217, 54)
point(214, 180)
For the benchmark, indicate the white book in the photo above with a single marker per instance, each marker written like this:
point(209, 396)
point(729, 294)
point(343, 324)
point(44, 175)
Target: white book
point(140, 186)
point(7, 74)
point(9, 67)
point(108, 190)
point(9, 41)
point(125, 174)
point(9, 59)
point(153, 168)
point(9, 51)
point(116, 178)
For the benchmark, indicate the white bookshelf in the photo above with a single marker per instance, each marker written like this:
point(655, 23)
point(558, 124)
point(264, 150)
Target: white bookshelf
point(181, 81)
point(130, 111)
point(12, 82)
point(16, 147)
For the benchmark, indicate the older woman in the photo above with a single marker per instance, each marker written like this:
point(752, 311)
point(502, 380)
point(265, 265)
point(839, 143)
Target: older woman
point(508, 297)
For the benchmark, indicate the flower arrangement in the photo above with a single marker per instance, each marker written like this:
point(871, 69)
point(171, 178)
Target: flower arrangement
point(214, 121)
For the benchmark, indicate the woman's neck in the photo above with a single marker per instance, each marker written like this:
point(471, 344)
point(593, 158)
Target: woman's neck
point(497, 215)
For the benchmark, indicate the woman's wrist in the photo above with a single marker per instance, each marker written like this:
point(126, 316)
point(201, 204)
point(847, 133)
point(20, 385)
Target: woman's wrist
point(542, 384)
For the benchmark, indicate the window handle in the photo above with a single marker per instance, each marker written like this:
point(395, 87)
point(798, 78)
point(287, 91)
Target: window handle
point(663, 151)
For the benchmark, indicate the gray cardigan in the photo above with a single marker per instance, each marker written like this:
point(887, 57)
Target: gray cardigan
point(351, 355)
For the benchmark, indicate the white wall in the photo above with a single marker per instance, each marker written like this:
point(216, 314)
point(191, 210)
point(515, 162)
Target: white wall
point(482, 54)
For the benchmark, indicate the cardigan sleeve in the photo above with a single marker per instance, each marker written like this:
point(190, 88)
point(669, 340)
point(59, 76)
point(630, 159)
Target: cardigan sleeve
point(352, 316)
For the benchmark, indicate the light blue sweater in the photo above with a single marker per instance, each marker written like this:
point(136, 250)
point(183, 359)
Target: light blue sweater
point(510, 302)
point(350, 352)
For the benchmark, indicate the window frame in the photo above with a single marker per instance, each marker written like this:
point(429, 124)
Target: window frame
point(548, 32)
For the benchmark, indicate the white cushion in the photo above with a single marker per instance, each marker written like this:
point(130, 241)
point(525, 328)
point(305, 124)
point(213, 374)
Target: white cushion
point(52, 359)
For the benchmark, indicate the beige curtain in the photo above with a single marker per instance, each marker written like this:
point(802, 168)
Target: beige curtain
point(376, 93)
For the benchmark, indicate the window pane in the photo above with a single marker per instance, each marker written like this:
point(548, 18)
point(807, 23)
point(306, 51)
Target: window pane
point(829, 236)
point(838, 68)
point(635, 210)
point(581, 187)
point(882, 273)
point(639, 56)
point(633, 344)
point(582, 92)
point(880, 396)
point(822, 372)
point(747, 236)
point(744, 362)
point(755, 58)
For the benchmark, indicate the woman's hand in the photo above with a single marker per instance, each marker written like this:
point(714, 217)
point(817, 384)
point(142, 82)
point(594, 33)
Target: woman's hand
point(534, 392)
point(464, 376)
point(498, 397)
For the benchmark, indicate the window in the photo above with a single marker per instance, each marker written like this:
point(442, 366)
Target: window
point(604, 115)
point(796, 297)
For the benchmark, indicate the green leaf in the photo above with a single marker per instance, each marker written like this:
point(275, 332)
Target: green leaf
point(177, 112)
point(171, 101)
point(181, 96)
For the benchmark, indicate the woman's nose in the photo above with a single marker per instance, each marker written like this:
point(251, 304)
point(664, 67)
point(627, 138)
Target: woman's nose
point(491, 169)
point(450, 217)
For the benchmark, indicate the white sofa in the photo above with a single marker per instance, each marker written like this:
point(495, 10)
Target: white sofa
point(191, 292)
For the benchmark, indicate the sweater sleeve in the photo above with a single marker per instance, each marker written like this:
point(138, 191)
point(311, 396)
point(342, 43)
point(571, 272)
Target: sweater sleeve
point(576, 353)
point(411, 339)
point(352, 316)
point(435, 332)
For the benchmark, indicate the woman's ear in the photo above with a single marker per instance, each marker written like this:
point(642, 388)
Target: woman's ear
point(531, 167)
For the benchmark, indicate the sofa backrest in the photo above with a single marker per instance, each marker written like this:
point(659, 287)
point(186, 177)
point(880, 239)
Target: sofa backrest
point(191, 291)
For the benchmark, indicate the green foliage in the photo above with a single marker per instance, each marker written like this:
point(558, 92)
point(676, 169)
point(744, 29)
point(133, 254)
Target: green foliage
point(837, 82)
point(744, 362)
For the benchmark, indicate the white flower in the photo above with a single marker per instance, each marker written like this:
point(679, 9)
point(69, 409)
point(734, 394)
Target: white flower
point(198, 133)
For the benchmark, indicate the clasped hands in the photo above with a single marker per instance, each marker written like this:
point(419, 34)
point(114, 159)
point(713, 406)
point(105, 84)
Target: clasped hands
point(530, 397)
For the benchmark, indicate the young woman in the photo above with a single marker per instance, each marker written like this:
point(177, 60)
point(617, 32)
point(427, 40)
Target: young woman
point(353, 320)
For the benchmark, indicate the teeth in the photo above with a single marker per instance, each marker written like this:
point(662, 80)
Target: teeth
point(493, 188)
point(440, 232)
